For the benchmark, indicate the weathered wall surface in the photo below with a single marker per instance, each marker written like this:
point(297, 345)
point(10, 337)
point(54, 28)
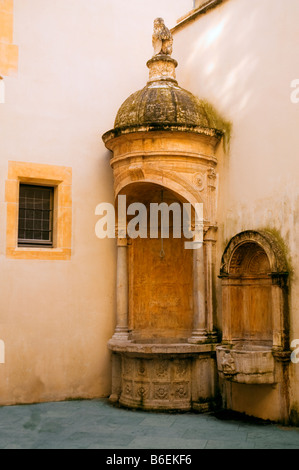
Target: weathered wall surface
point(78, 61)
point(67, 67)
point(242, 57)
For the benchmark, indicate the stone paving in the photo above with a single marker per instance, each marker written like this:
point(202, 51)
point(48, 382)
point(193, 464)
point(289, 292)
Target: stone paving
point(95, 424)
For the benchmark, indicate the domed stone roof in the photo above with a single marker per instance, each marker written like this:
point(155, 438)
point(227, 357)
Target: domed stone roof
point(163, 105)
point(162, 101)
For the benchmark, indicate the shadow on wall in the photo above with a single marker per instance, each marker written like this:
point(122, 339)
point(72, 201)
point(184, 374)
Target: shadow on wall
point(236, 53)
point(241, 58)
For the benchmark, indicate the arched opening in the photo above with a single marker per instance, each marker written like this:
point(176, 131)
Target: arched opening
point(254, 309)
point(255, 339)
point(255, 291)
point(250, 288)
point(163, 144)
point(160, 268)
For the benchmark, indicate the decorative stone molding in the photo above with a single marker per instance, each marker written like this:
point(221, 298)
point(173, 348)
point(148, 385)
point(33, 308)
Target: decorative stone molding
point(212, 176)
point(200, 181)
point(264, 239)
point(136, 172)
point(228, 365)
point(247, 366)
point(184, 174)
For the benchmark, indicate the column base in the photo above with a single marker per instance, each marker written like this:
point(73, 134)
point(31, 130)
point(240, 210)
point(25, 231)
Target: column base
point(199, 336)
point(213, 337)
point(202, 407)
point(121, 335)
point(114, 398)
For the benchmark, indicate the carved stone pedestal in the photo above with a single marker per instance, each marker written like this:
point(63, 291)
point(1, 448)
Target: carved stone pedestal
point(163, 376)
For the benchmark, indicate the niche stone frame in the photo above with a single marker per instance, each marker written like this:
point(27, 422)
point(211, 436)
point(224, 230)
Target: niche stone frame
point(256, 259)
point(255, 318)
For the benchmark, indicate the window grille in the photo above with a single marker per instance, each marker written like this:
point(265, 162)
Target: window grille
point(35, 215)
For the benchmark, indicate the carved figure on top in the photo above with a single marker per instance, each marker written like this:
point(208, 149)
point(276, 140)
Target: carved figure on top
point(162, 38)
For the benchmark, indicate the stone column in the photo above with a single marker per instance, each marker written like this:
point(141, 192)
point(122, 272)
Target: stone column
point(209, 241)
point(199, 333)
point(226, 312)
point(279, 309)
point(122, 291)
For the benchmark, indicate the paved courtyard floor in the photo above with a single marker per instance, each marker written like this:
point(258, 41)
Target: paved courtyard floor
point(95, 424)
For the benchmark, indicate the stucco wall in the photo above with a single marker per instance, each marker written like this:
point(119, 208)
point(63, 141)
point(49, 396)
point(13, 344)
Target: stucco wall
point(242, 57)
point(78, 61)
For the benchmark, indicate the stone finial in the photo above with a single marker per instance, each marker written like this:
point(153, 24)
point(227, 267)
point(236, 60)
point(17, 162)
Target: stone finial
point(162, 38)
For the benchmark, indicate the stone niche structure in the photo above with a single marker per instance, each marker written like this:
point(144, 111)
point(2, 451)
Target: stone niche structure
point(164, 149)
point(255, 343)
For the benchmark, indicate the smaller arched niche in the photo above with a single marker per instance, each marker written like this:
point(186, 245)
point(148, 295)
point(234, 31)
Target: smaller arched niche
point(250, 295)
point(254, 308)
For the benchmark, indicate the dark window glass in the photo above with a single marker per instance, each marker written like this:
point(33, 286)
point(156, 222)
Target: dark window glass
point(35, 215)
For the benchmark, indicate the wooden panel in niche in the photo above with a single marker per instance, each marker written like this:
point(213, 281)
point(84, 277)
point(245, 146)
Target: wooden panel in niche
point(161, 295)
point(237, 312)
point(260, 312)
point(250, 294)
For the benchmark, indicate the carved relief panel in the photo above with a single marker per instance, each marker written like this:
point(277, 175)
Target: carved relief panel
point(156, 382)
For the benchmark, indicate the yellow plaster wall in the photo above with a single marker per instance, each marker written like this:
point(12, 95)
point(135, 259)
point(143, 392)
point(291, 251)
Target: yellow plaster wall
point(9, 52)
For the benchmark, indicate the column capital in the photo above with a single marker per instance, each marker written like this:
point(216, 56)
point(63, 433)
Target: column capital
point(210, 234)
point(122, 242)
point(120, 230)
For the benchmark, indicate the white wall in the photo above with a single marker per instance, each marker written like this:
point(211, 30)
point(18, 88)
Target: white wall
point(242, 57)
point(78, 61)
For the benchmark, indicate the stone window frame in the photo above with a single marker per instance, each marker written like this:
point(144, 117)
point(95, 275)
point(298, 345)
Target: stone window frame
point(58, 177)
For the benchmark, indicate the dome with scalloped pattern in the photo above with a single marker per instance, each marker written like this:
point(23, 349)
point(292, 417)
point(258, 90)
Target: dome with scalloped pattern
point(162, 101)
point(163, 105)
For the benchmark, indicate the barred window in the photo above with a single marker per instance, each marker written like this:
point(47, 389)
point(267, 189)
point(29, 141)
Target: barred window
point(35, 215)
